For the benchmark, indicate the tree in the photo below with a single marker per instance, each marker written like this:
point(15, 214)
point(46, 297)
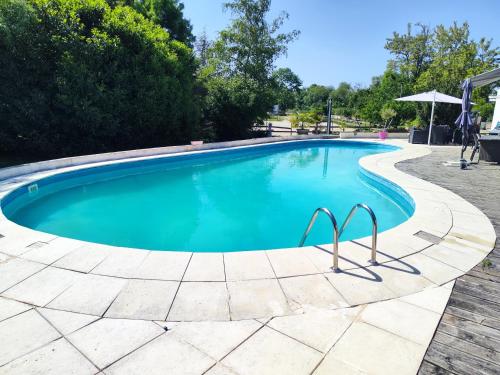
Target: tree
point(80, 77)
point(166, 13)
point(387, 114)
point(239, 73)
point(316, 96)
point(287, 88)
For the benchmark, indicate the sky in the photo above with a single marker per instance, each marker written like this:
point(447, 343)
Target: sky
point(343, 40)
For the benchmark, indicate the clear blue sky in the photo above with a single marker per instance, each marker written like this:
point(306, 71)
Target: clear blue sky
point(343, 40)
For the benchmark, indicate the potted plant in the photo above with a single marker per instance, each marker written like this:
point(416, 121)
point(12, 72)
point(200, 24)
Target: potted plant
point(298, 120)
point(387, 115)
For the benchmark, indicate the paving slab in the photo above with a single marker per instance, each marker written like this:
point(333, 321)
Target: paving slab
point(403, 319)
point(164, 355)
point(360, 286)
point(52, 251)
point(108, 340)
point(270, 352)
point(311, 291)
point(92, 294)
point(318, 328)
point(247, 265)
point(84, 259)
point(44, 286)
point(256, 299)
point(9, 307)
point(144, 299)
point(66, 322)
point(163, 265)
point(205, 267)
point(24, 333)
point(374, 351)
point(121, 263)
point(200, 301)
point(56, 358)
point(433, 269)
point(15, 270)
point(291, 262)
point(216, 338)
point(433, 299)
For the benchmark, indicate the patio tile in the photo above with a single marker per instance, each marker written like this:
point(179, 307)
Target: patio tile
point(256, 299)
point(121, 263)
point(433, 269)
point(52, 251)
point(313, 290)
point(319, 329)
point(216, 338)
point(220, 369)
point(84, 259)
point(402, 278)
point(9, 307)
point(17, 244)
point(200, 301)
point(270, 352)
point(58, 357)
point(205, 267)
point(164, 355)
point(24, 333)
point(92, 294)
point(374, 351)
point(290, 262)
point(144, 299)
point(331, 365)
point(15, 270)
point(66, 322)
point(107, 340)
point(360, 286)
point(462, 258)
point(433, 299)
point(44, 286)
point(163, 265)
point(247, 265)
point(400, 318)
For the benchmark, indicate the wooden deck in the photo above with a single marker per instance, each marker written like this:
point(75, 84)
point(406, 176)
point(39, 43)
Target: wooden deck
point(467, 340)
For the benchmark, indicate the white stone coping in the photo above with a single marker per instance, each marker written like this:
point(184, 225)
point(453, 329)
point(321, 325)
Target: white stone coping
point(71, 275)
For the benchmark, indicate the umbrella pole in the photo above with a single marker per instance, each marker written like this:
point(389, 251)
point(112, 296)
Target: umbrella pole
point(432, 118)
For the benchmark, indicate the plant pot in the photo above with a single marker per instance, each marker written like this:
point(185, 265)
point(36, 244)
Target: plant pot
point(382, 134)
point(303, 131)
point(196, 143)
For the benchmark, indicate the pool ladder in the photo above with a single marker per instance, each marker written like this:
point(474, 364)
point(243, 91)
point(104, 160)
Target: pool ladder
point(338, 233)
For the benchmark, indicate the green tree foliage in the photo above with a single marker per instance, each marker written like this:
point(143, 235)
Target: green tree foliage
point(81, 77)
point(239, 73)
point(316, 96)
point(287, 88)
point(166, 13)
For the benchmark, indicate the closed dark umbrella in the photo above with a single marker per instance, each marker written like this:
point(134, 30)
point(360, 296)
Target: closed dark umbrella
point(464, 121)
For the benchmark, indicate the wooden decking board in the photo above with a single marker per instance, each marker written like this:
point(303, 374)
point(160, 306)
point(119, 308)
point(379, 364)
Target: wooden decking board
point(478, 318)
point(460, 362)
point(485, 342)
point(481, 352)
point(428, 368)
point(478, 305)
point(466, 341)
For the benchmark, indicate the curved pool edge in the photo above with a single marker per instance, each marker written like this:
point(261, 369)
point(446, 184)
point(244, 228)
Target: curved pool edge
point(439, 212)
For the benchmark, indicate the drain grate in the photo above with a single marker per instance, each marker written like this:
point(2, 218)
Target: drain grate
point(428, 237)
point(36, 245)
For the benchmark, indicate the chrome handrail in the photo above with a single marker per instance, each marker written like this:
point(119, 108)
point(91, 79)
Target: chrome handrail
point(373, 260)
point(335, 241)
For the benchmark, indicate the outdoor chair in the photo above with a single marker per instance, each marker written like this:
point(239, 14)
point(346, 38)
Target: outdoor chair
point(489, 148)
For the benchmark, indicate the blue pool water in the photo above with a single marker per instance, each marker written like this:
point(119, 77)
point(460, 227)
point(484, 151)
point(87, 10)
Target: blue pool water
point(229, 200)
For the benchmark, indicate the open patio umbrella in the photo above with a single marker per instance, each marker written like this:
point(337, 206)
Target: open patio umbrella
point(433, 97)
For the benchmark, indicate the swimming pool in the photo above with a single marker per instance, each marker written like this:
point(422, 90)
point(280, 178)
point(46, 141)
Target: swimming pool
point(248, 198)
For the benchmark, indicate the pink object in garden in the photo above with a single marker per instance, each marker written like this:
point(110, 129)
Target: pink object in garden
point(382, 134)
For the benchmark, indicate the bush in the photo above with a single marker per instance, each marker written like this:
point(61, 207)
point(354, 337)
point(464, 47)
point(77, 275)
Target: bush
point(81, 77)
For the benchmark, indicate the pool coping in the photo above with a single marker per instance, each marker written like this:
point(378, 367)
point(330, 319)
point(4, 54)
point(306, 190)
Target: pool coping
point(458, 236)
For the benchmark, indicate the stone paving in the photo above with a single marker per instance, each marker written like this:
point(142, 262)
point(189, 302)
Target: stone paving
point(73, 307)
